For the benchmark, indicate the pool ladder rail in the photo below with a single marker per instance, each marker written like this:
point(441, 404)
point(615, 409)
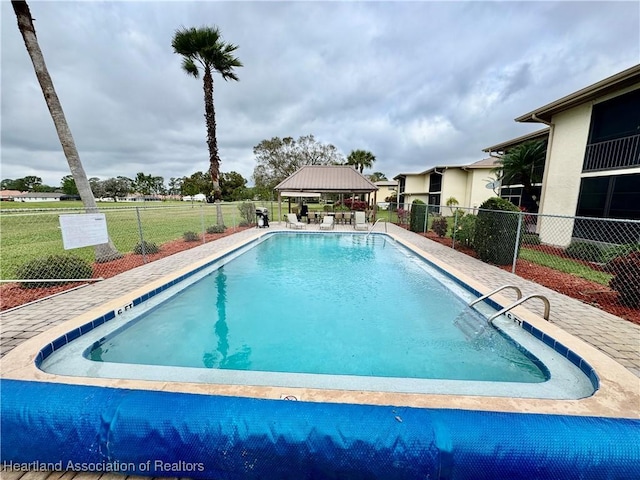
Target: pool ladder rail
point(374, 226)
point(519, 301)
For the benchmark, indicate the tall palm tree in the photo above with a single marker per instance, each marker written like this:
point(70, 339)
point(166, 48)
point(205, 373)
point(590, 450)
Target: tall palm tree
point(361, 159)
point(104, 252)
point(523, 164)
point(203, 47)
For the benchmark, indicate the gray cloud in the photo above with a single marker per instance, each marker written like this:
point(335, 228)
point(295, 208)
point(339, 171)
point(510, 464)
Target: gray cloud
point(417, 83)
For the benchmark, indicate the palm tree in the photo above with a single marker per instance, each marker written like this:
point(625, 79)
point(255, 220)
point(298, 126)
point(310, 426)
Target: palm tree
point(361, 159)
point(104, 252)
point(523, 164)
point(377, 177)
point(204, 47)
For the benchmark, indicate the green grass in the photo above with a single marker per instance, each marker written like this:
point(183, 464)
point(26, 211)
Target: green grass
point(564, 265)
point(33, 233)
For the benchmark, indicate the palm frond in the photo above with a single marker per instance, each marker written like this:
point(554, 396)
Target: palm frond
point(204, 45)
point(190, 67)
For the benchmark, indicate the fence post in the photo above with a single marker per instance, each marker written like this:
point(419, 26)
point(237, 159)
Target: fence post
point(204, 231)
point(517, 244)
point(455, 229)
point(426, 215)
point(142, 244)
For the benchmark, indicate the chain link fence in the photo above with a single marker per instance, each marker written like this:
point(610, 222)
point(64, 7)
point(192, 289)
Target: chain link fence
point(34, 263)
point(596, 260)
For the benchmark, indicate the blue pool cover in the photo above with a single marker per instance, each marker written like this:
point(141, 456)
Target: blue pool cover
point(199, 436)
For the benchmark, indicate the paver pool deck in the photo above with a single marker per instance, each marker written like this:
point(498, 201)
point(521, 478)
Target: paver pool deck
point(616, 337)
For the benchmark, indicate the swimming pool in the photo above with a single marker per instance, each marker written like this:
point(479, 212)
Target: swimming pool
point(323, 310)
point(208, 428)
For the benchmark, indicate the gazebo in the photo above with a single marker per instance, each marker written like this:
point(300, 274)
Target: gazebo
point(314, 180)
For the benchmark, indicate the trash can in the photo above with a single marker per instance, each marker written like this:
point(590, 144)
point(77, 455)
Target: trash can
point(262, 217)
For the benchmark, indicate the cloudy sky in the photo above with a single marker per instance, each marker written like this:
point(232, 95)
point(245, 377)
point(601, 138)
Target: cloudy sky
point(416, 83)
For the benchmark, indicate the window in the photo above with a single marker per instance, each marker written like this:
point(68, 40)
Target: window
point(614, 137)
point(435, 182)
point(616, 118)
point(609, 197)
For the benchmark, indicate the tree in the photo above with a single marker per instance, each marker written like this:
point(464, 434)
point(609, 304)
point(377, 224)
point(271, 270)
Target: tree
point(278, 158)
point(175, 185)
point(118, 187)
point(233, 186)
point(199, 182)
point(31, 183)
point(204, 46)
point(361, 159)
point(148, 184)
point(17, 184)
point(377, 177)
point(106, 251)
point(68, 185)
point(523, 164)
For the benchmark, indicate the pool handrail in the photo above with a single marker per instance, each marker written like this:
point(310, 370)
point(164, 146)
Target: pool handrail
point(503, 287)
point(547, 306)
point(374, 226)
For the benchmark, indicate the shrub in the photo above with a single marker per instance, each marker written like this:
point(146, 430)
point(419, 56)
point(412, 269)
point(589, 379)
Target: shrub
point(590, 252)
point(402, 216)
point(609, 253)
point(213, 229)
point(53, 267)
point(247, 213)
point(594, 252)
point(352, 204)
point(149, 247)
point(440, 226)
point(190, 236)
point(466, 230)
point(417, 216)
point(626, 278)
point(531, 239)
point(496, 231)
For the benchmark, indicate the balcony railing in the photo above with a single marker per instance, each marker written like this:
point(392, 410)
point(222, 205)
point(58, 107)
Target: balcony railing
point(619, 153)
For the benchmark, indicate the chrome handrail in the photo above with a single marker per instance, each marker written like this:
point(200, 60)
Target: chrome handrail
point(374, 226)
point(547, 307)
point(477, 300)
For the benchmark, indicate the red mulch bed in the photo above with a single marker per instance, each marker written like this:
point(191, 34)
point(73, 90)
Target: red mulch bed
point(12, 295)
point(592, 293)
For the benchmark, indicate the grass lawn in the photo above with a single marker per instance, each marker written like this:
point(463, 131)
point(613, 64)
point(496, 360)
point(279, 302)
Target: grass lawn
point(564, 265)
point(33, 232)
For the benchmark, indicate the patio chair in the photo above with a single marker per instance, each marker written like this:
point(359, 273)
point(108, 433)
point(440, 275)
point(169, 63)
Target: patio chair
point(327, 223)
point(360, 221)
point(292, 221)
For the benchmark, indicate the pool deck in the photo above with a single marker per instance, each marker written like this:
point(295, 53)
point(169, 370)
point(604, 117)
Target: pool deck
point(617, 338)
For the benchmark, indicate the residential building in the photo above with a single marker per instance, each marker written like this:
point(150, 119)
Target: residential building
point(386, 189)
point(39, 197)
point(9, 195)
point(515, 192)
point(470, 185)
point(592, 165)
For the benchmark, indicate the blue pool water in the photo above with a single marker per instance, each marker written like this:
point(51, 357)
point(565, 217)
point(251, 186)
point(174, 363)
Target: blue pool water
point(321, 303)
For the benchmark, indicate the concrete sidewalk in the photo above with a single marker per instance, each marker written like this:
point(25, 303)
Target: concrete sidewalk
point(616, 337)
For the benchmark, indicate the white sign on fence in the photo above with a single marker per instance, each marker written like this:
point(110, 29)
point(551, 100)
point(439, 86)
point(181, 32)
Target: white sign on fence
point(83, 230)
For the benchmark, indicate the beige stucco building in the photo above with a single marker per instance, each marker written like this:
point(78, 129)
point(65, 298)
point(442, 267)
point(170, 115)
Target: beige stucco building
point(592, 166)
point(386, 189)
point(435, 186)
